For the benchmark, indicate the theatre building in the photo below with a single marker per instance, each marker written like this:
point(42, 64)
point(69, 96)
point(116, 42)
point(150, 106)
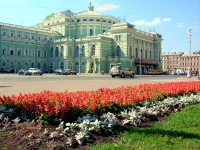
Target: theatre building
point(87, 42)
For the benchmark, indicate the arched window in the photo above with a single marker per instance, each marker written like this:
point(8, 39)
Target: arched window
point(93, 50)
point(83, 51)
point(11, 64)
point(77, 51)
point(32, 65)
point(62, 51)
point(19, 65)
point(61, 65)
point(25, 65)
point(118, 51)
point(38, 65)
point(56, 52)
point(76, 63)
point(51, 67)
point(51, 52)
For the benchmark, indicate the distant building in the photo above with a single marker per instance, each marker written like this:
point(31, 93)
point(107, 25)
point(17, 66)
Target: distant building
point(178, 62)
point(86, 42)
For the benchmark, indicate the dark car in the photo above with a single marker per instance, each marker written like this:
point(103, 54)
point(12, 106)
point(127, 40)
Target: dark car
point(4, 70)
point(70, 72)
point(61, 72)
point(24, 72)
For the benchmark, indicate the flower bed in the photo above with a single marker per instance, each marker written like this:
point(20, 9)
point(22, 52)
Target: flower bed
point(101, 101)
point(98, 111)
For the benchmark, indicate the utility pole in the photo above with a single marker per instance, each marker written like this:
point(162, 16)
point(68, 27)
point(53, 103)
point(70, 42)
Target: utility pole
point(189, 61)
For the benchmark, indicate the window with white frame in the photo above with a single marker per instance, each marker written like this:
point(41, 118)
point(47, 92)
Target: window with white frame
point(91, 32)
point(32, 37)
point(4, 33)
point(45, 54)
point(12, 34)
point(56, 52)
point(45, 39)
point(4, 51)
point(51, 52)
point(12, 52)
point(38, 53)
point(25, 52)
point(39, 39)
point(32, 52)
point(19, 35)
point(26, 36)
point(19, 52)
point(62, 51)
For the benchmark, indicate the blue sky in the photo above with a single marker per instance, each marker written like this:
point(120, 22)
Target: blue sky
point(170, 18)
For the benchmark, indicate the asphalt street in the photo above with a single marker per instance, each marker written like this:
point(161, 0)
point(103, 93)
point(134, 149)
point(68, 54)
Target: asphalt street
point(14, 84)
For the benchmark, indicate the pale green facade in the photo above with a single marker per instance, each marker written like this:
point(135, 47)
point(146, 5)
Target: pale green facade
point(87, 42)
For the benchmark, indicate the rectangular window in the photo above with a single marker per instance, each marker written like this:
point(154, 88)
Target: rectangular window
point(45, 39)
point(26, 36)
point(19, 35)
point(19, 52)
point(39, 38)
point(25, 52)
point(11, 52)
point(91, 32)
point(38, 53)
point(45, 54)
point(4, 33)
point(4, 51)
point(12, 34)
point(32, 53)
point(33, 38)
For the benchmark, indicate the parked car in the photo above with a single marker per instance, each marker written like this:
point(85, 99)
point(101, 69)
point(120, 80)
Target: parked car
point(70, 71)
point(121, 71)
point(35, 71)
point(60, 72)
point(24, 72)
point(4, 70)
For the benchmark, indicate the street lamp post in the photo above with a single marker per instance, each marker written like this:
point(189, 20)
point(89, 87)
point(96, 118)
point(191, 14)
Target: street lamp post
point(189, 62)
point(79, 69)
point(140, 62)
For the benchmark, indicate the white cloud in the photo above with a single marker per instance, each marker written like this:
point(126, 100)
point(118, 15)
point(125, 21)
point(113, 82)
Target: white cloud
point(151, 23)
point(106, 7)
point(166, 19)
point(139, 22)
point(179, 25)
point(154, 22)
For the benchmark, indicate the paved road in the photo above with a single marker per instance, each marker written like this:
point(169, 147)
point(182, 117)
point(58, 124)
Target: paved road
point(15, 84)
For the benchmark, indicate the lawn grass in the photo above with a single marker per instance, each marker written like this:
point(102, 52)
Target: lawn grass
point(178, 131)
